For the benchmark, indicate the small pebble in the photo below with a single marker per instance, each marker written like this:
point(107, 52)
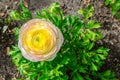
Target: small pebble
point(2, 14)
point(4, 29)
point(8, 50)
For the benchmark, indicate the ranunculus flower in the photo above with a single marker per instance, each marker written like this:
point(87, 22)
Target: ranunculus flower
point(39, 40)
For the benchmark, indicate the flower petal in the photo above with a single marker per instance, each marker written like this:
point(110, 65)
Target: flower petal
point(39, 40)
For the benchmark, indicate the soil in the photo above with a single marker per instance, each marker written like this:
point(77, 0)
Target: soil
point(110, 27)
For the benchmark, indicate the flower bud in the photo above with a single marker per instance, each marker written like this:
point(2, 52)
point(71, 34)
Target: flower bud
point(39, 40)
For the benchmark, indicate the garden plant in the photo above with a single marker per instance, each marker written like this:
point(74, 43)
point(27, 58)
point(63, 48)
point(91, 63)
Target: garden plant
point(77, 56)
point(114, 7)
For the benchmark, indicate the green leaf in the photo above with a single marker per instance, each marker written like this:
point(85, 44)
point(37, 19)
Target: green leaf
point(102, 56)
point(13, 52)
point(96, 25)
point(16, 32)
point(102, 50)
point(91, 45)
point(8, 20)
point(82, 69)
point(107, 73)
point(32, 76)
point(90, 8)
point(15, 15)
point(91, 24)
point(79, 77)
point(115, 7)
point(89, 12)
point(113, 11)
point(91, 35)
point(22, 6)
point(96, 59)
point(86, 13)
point(93, 67)
point(82, 12)
point(107, 2)
point(55, 7)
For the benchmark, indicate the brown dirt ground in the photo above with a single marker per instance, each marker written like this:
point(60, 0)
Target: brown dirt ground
point(110, 27)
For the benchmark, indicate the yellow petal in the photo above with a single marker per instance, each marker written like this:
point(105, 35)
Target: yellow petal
point(39, 40)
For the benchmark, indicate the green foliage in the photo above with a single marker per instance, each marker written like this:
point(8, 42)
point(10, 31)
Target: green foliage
point(78, 59)
point(87, 13)
point(92, 24)
point(16, 33)
point(114, 6)
point(23, 15)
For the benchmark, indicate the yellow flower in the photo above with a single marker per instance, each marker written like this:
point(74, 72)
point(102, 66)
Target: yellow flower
point(39, 40)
